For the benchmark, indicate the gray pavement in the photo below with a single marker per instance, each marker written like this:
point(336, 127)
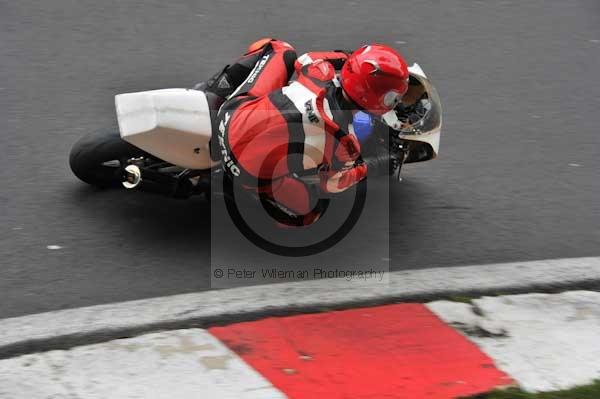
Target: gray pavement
point(517, 178)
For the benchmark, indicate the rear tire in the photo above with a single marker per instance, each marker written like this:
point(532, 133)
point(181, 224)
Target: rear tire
point(97, 158)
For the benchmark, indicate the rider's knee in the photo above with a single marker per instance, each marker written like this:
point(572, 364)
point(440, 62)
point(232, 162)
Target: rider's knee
point(259, 45)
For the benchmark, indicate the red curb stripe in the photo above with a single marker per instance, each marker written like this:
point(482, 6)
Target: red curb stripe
point(393, 351)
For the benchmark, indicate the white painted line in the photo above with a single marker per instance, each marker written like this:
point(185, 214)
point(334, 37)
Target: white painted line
point(546, 342)
point(167, 365)
point(29, 333)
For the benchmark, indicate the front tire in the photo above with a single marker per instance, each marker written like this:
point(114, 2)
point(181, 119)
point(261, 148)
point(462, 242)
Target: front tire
point(98, 157)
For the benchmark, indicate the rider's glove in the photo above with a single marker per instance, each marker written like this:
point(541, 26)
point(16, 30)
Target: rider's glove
point(333, 181)
point(347, 168)
point(348, 149)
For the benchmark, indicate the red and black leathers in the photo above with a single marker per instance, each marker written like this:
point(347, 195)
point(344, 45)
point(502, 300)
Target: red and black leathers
point(273, 128)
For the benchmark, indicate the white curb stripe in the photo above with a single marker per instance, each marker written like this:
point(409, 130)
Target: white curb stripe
point(174, 364)
point(546, 342)
point(20, 334)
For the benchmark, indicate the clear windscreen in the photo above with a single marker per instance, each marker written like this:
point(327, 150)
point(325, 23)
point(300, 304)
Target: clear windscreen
point(420, 111)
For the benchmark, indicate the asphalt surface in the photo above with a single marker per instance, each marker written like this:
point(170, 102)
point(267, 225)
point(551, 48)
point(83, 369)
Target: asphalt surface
point(517, 177)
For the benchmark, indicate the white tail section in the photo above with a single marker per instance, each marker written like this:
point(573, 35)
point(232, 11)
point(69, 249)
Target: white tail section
point(171, 124)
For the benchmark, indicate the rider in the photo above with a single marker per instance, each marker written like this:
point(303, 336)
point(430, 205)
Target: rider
point(272, 130)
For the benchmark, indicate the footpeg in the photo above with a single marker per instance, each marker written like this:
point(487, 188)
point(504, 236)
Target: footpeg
point(133, 176)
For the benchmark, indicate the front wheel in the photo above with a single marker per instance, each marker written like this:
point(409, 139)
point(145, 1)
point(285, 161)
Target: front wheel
point(97, 158)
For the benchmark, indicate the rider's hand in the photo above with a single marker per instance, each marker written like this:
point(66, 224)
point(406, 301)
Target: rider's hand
point(337, 181)
point(348, 149)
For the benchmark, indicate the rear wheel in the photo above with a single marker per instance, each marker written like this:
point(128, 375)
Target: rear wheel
point(98, 158)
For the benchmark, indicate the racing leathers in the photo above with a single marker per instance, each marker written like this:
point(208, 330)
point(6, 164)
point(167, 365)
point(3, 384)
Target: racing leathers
point(274, 128)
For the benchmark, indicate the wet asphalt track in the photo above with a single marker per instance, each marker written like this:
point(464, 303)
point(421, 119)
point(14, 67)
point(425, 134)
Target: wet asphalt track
point(517, 178)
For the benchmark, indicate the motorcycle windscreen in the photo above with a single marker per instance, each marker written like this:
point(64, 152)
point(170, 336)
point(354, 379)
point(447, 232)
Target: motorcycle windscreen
point(259, 235)
point(420, 115)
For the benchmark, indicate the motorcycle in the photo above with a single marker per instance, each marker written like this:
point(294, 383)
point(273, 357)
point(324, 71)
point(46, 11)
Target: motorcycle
point(163, 141)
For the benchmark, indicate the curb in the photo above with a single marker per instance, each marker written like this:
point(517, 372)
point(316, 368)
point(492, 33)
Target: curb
point(442, 349)
point(335, 355)
point(72, 327)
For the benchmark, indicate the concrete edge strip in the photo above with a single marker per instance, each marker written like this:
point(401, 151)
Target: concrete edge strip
point(72, 327)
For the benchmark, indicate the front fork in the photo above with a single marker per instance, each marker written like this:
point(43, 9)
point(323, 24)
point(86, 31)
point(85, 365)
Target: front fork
point(398, 153)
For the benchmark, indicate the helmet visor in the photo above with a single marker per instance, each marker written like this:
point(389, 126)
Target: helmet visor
point(391, 99)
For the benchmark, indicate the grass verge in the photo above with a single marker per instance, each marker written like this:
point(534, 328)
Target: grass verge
point(591, 391)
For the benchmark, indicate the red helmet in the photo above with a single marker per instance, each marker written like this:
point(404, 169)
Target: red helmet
point(375, 77)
